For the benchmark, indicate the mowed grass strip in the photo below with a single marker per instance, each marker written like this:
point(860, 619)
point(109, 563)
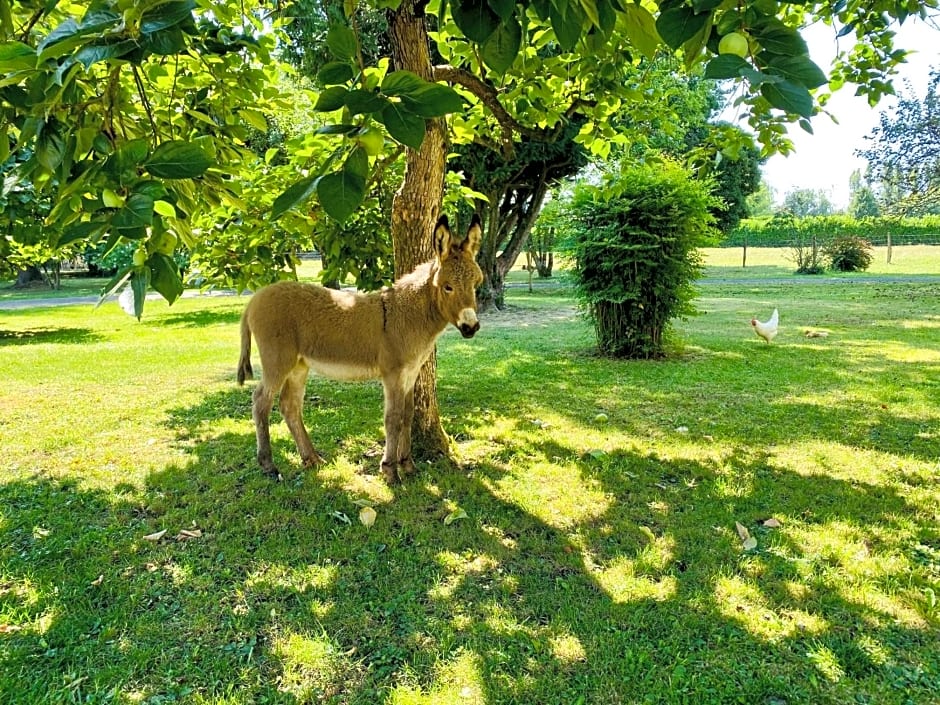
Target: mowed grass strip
point(743, 523)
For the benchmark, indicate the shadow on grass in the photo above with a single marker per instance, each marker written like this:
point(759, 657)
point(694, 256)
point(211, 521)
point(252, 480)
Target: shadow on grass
point(202, 318)
point(280, 595)
point(58, 336)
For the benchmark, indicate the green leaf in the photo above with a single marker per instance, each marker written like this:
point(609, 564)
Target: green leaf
point(789, 97)
point(777, 38)
point(641, 30)
point(336, 129)
point(16, 56)
point(164, 209)
point(404, 126)
point(165, 276)
point(726, 66)
point(88, 230)
point(403, 83)
point(294, 194)
point(357, 163)
point(475, 18)
point(334, 73)
point(140, 281)
point(331, 99)
point(137, 213)
point(361, 101)
point(503, 8)
point(799, 69)
point(500, 50)
point(566, 25)
point(341, 41)
point(435, 100)
point(255, 118)
point(93, 53)
point(340, 194)
point(178, 160)
point(50, 147)
point(677, 25)
point(167, 14)
point(166, 42)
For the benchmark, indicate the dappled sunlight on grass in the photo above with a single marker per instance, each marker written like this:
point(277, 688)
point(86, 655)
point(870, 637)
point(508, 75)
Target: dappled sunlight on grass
point(456, 680)
point(619, 579)
point(554, 493)
point(311, 667)
point(744, 602)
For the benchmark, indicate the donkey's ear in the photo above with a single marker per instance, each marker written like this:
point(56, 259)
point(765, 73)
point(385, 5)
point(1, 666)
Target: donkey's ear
point(471, 243)
point(442, 238)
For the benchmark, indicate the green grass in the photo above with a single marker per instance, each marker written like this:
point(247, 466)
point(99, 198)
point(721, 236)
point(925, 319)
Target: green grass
point(775, 262)
point(598, 562)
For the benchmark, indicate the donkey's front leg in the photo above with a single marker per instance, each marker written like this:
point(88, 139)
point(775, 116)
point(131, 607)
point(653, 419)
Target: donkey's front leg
point(399, 410)
point(406, 464)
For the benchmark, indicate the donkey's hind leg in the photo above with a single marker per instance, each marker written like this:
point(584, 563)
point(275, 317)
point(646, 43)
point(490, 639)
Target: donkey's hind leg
point(292, 407)
point(262, 401)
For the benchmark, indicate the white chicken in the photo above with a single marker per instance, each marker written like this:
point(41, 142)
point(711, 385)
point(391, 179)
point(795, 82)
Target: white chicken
point(766, 329)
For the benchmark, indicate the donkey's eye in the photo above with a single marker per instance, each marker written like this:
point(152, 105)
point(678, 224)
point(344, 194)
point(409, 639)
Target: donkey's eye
point(448, 289)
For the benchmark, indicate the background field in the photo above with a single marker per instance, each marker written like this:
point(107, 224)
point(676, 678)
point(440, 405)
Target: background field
point(561, 559)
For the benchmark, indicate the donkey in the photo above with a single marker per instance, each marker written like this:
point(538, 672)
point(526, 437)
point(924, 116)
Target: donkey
point(345, 335)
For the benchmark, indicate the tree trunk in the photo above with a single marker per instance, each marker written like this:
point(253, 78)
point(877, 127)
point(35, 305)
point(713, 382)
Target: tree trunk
point(416, 208)
point(509, 225)
point(27, 276)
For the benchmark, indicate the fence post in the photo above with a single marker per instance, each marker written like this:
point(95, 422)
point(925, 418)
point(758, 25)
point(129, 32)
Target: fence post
point(889, 247)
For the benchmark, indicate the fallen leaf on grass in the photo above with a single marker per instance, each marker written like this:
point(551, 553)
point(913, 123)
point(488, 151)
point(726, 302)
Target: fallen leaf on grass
point(97, 581)
point(367, 516)
point(155, 536)
point(10, 628)
point(189, 534)
point(748, 541)
point(454, 516)
point(772, 523)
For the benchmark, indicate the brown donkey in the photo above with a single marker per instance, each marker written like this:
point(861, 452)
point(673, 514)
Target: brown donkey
point(344, 335)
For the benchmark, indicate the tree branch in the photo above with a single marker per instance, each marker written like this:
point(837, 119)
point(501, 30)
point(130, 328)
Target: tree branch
point(489, 96)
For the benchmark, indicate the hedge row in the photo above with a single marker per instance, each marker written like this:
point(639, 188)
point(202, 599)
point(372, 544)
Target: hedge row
point(784, 232)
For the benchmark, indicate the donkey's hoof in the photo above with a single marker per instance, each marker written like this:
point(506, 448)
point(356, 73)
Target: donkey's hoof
point(273, 473)
point(390, 472)
point(314, 460)
point(406, 467)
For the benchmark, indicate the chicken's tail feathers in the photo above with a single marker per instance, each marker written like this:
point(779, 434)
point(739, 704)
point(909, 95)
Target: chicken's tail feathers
point(774, 317)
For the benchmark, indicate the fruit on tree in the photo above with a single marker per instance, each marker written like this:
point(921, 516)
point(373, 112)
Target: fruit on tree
point(733, 43)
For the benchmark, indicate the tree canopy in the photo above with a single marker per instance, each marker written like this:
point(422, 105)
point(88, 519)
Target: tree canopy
point(903, 153)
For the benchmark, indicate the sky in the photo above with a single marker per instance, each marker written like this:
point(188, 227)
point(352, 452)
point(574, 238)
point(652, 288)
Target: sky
point(826, 159)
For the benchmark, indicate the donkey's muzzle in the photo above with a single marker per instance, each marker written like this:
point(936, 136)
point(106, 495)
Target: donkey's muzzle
point(468, 323)
point(468, 330)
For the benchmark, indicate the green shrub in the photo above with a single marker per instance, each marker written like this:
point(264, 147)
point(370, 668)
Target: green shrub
point(849, 254)
point(783, 232)
point(635, 246)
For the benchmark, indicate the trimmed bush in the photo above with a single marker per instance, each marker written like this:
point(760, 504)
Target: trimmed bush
point(635, 246)
point(849, 254)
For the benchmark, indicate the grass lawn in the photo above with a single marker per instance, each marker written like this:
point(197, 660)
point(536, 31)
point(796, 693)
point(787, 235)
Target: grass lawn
point(561, 558)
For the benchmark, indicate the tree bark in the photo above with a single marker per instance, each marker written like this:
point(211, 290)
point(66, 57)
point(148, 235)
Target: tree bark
point(511, 216)
point(27, 276)
point(416, 208)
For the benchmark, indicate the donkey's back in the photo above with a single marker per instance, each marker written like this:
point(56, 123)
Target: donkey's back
point(337, 333)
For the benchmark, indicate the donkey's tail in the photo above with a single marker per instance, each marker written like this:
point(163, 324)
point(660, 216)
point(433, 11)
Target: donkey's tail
point(244, 362)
